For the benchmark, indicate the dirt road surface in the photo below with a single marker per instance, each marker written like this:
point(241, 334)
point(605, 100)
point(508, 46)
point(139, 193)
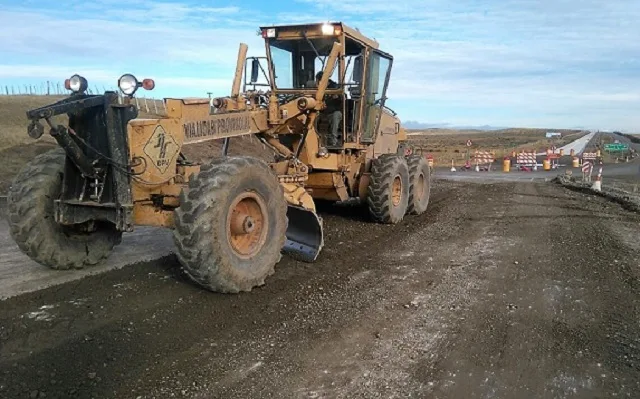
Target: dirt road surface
point(19, 274)
point(506, 290)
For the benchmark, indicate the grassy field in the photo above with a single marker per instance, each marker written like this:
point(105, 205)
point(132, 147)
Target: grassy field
point(14, 122)
point(446, 145)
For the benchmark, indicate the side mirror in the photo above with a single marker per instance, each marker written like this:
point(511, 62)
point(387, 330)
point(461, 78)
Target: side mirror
point(255, 65)
point(357, 69)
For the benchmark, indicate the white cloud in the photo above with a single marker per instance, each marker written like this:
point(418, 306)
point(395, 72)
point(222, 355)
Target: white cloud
point(125, 33)
point(107, 78)
point(540, 58)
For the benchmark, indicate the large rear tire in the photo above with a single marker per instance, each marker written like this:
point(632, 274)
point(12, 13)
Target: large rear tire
point(419, 184)
point(388, 191)
point(231, 225)
point(33, 227)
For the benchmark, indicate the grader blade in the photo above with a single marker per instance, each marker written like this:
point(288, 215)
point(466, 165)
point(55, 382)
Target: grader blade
point(304, 234)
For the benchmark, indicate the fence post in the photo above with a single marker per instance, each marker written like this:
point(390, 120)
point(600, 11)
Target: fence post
point(146, 106)
point(155, 105)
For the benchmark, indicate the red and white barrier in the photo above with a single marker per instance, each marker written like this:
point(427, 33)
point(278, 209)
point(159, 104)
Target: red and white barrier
point(526, 159)
point(597, 184)
point(483, 158)
point(587, 169)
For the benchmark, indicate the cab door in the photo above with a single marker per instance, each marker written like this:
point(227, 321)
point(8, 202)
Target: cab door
point(378, 70)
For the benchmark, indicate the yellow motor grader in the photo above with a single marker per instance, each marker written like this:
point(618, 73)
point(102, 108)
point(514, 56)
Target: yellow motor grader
point(317, 100)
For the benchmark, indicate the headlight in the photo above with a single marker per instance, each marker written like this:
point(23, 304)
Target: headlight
point(128, 84)
point(270, 33)
point(76, 83)
point(331, 30)
point(322, 152)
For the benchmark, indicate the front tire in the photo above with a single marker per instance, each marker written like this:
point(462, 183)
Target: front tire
point(32, 223)
point(419, 184)
point(231, 225)
point(388, 191)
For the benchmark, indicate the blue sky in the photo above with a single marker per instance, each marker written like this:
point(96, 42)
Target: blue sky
point(535, 63)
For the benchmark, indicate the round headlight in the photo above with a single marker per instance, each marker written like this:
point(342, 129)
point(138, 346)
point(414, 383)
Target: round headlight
point(322, 152)
point(128, 84)
point(77, 84)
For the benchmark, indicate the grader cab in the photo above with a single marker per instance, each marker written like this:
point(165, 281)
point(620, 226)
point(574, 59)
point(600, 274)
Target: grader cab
point(316, 100)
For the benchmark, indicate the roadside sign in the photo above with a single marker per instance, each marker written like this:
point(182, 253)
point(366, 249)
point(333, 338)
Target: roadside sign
point(616, 147)
point(586, 166)
point(590, 155)
point(468, 143)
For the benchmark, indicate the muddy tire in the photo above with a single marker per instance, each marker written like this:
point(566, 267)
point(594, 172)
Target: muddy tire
point(231, 225)
point(419, 184)
point(33, 227)
point(388, 191)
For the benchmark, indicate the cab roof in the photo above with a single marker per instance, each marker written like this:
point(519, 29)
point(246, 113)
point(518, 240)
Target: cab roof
point(348, 31)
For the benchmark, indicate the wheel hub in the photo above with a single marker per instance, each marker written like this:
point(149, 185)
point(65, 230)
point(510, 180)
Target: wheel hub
point(396, 191)
point(247, 224)
point(420, 187)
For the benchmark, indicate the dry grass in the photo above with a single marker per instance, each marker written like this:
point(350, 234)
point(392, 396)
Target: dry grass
point(14, 122)
point(448, 144)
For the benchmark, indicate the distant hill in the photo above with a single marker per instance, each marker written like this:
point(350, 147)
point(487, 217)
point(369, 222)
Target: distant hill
point(413, 125)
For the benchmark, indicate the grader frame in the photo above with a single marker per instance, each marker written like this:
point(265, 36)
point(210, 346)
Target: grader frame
point(231, 217)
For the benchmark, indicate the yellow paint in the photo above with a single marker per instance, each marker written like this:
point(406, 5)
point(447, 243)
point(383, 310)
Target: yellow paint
point(155, 144)
point(506, 165)
point(298, 196)
point(363, 185)
point(146, 214)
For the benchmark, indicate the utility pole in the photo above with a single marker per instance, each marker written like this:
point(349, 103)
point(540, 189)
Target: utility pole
point(209, 94)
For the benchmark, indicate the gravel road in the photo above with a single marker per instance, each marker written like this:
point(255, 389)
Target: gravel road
point(502, 290)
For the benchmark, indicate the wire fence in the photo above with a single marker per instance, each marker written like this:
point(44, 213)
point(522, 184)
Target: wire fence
point(49, 88)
